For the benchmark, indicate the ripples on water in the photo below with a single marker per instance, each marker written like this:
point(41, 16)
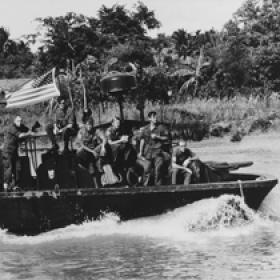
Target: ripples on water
point(210, 239)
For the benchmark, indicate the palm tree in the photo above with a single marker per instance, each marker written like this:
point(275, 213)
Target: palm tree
point(194, 76)
point(192, 71)
point(182, 42)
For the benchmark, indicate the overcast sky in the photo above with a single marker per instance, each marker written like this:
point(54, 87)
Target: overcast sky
point(18, 15)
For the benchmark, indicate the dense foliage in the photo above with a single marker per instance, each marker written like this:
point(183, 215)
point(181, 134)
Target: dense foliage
point(243, 58)
point(16, 58)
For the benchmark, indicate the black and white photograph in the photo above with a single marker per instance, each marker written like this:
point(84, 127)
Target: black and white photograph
point(139, 139)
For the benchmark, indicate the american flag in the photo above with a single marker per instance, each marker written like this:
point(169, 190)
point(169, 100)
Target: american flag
point(35, 91)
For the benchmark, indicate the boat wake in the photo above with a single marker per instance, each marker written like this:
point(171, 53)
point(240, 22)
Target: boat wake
point(227, 215)
point(228, 212)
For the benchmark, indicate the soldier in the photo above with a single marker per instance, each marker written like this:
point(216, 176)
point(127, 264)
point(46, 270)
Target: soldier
point(181, 157)
point(153, 153)
point(16, 133)
point(64, 122)
point(123, 152)
point(86, 142)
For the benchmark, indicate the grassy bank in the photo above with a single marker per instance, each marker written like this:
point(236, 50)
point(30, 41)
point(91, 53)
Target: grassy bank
point(200, 118)
point(237, 114)
point(196, 119)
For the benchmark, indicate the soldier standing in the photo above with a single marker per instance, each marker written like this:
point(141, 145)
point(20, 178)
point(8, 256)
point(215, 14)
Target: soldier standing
point(153, 154)
point(16, 133)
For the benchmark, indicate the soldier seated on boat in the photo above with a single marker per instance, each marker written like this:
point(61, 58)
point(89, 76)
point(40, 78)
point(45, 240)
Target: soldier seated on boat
point(64, 122)
point(153, 154)
point(15, 134)
point(86, 142)
point(124, 154)
point(103, 155)
point(105, 162)
point(181, 157)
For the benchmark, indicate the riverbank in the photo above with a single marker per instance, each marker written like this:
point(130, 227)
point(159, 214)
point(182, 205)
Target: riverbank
point(196, 119)
point(236, 116)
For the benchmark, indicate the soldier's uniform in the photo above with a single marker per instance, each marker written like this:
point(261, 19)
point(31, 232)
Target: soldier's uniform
point(179, 156)
point(89, 160)
point(62, 118)
point(10, 153)
point(124, 155)
point(89, 140)
point(156, 153)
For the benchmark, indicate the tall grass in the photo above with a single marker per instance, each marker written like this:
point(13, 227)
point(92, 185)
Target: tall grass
point(214, 110)
point(236, 109)
point(239, 111)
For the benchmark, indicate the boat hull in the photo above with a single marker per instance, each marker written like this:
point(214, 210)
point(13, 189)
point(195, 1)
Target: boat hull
point(33, 212)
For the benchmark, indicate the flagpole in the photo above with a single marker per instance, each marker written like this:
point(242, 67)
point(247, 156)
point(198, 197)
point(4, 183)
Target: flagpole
point(54, 80)
point(69, 88)
point(56, 87)
point(84, 90)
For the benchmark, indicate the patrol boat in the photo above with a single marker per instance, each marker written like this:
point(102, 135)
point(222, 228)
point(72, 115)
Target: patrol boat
point(63, 194)
point(57, 192)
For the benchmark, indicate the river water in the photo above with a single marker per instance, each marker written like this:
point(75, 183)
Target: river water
point(193, 242)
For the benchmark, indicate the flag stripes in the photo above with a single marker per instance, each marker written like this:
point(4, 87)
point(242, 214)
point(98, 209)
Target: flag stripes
point(35, 91)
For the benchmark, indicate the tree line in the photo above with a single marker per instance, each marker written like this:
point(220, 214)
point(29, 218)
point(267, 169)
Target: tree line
point(242, 58)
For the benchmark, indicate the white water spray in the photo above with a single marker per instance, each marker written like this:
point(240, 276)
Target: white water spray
point(226, 215)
